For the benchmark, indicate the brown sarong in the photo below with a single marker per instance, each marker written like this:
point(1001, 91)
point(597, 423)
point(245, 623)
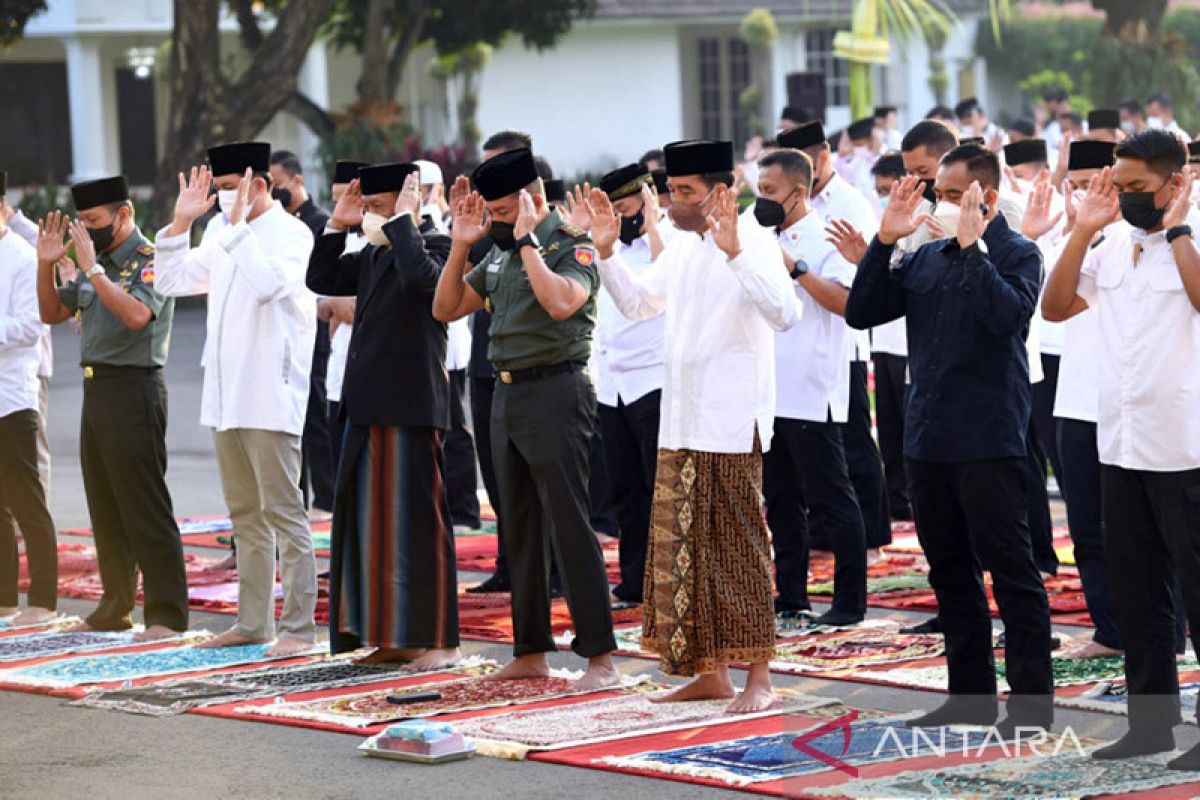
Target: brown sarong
point(709, 595)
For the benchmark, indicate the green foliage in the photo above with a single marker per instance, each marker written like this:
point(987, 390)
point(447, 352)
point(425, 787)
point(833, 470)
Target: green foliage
point(1134, 70)
point(365, 141)
point(750, 98)
point(1037, 83)
point(14, 15)
point(758, 29)
point(38, 201)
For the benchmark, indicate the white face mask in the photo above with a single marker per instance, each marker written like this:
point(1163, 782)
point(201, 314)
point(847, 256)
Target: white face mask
point(1129, 127)
point(373, 227)
point(225, 200)
point(966, 131)
point(947, 214)
point(1154, 122)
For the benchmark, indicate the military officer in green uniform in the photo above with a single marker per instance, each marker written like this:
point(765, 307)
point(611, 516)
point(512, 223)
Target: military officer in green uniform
point(540, 287)
point(126, 326)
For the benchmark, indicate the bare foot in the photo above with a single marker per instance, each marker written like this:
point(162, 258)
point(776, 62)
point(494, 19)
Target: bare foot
point(155, 633)
point(389, 655)
point(289, 646)
point(532, 665)
point(319, 515)
point(875, 555)
point(709, 686)
point(230, 638)
point(601, 674)
point(753, 698)
point(78, 627)
point(33, 616)
point(229, 562)
point(433, 659)
point(1092, 649)
point(8, 611)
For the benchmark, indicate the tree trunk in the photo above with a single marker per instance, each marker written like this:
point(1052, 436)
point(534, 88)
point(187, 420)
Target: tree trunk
point(418, 14)
point(373, 79)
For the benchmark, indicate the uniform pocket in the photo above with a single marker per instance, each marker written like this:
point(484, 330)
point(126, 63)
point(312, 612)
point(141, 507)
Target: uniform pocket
point(1166, 278)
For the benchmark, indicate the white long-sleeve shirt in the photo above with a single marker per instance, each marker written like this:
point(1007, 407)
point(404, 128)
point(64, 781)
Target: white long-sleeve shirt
point(719, 334)
point(20, 326)
point(27, 229)
point(628, 352)
point(262, 319)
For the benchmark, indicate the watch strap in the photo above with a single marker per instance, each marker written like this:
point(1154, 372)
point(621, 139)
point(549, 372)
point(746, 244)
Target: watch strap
point(528, 240)
point(1177, 231)
point(801, 268)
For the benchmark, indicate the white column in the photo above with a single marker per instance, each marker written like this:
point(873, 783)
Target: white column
point(313, 82)
point(85, 95)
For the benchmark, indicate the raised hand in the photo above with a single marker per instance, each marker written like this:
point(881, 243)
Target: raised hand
point(527, 215)
point(650, 208)
point(723, 222)
point(470, 218)
point(194, 200)
point(1037, 221)
point(459, 190)
point(241, 203)
point(52, 232)
point(971, 221)
point(900, 218)
point(577, 207)
point(1180, 206)
point(348, 213)
point(67, 270)
point(1100, 206)
point(1015, 183)
point(606, 225)
point(409, 199)
point(85, 249)
point(1069, 207)
point(847, 239)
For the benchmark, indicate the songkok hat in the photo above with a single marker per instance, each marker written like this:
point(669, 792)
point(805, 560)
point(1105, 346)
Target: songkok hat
point(625, 181)
point(103, 191)
point(810, 134)
point(3, 183)
point(556, 191)
point(1090, 154)
point(883, 111)
point(346, 171)
point(430, 172)
point(384, 178)
point(1026, 151)
point(233, 159)
point(794, 113)
point(1194, 152)
point(1104, 118)
point(660, 181)
point(1023, 126)
point(972, 140)
point(505, 174)
point(698, 157)
point(861, 129)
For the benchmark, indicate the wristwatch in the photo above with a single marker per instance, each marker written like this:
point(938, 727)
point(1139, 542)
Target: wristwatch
point(801, 268)
point(95, 270)
point(528, 240)
point(1177, 231)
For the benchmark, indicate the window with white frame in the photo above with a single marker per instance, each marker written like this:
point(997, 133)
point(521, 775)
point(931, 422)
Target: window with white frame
point(723, 71)
point(818, 45)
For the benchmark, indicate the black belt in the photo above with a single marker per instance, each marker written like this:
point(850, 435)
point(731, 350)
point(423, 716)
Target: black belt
point(91, 371)
point(537, 373)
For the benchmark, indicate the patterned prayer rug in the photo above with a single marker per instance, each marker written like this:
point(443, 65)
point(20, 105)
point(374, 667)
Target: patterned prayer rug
point(56, 643)
point(1111, 698)
point(880, 585)
point(516, 733)
point(768, 758)
point(126, 666)
point(1065, 775)
point(853, 648)
point(7, 629)
point(364, 709)
point(1067, 672)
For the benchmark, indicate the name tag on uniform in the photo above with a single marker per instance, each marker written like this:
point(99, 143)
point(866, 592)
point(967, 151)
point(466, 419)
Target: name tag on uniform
point(494, 266)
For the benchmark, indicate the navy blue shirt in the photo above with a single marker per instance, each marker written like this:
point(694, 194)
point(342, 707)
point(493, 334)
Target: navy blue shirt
point(967, 315)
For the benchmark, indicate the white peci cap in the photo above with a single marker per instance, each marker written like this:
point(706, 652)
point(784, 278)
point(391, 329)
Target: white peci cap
point(430, 172)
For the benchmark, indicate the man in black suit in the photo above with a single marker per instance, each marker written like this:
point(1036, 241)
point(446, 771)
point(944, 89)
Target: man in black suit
point(393, 580)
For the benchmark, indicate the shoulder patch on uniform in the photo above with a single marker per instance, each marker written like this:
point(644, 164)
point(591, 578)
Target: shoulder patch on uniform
point(146, 249)
point(585, 254)
point(147, 274)
point(571, 230)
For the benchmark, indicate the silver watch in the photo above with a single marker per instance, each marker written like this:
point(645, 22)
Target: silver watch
point(95, 270)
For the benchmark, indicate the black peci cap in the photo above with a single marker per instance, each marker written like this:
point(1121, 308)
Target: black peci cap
point(103, 191)
point(1023, 126)
point(556, 191)
point(972, 140)
point(660, 181)
point(3, 183)
point(698, 157)
point(1026, 151)
point(861, 129)
point(384, 178)
point(625, 181)
point(234, 158)
point(1194, 152)
point(346, 171)
point(1103, 118)
point(1090, 154)
point(794, 113)
point(810, 134)
point(505, 174)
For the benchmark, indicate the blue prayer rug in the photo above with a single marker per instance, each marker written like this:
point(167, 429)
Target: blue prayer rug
point(126, 666)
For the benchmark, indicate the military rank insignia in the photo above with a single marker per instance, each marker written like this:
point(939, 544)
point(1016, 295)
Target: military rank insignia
point(148, 274)
point(585, 255)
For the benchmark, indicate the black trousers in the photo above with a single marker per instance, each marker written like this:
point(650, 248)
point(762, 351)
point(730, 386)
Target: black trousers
point(1152, 529)
point(864, 462)
point(123, 453)
point(459, 454)
point(1080, 483)
point(542, 432)
point(631, 445)
point(805, 474)
point(318, 462)
point(1042, 419)
point(970, 515)
point(23, 501)
point(336, 428)
point(891, 397)
point(1041, 526)
point(482, 391)
point(603, 511)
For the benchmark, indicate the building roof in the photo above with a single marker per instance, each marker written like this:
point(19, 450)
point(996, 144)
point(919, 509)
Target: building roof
point(617, 9)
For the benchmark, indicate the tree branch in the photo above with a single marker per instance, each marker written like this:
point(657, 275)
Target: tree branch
point(251, 33)
point(419, 13)
point(312, 115)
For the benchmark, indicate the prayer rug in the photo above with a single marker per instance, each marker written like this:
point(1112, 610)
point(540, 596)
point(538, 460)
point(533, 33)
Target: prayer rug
point(774, 757)
point(488, 617)
point(127, 666)
point(363, 709)
point(881, 585)
point(1110, 697)
point(7, 629)
point(515, 734)
point(1065, 775)
point(477, 553)
point(851, 649)
point(1067, 672)
point(56, 643)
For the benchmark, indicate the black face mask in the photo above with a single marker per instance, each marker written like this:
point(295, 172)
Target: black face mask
point(631, 227)
point(102, 238)
point(1139, 210)
point(928, 193)
point(284, 196)
point(502, 234)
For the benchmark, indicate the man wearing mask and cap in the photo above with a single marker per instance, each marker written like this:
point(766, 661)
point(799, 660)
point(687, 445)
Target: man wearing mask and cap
point(1104, 125)
point(556, 194)
point(540, 285)
point(433, 195)
point(629, 377)
point(967, 314)
point(887, 120)
point(126, 325)
point(723, 287)
point(804, 472)
point(663, 190)
point(251, 263)
point(1143, 284)
point(397, 407)
point(835, 199)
